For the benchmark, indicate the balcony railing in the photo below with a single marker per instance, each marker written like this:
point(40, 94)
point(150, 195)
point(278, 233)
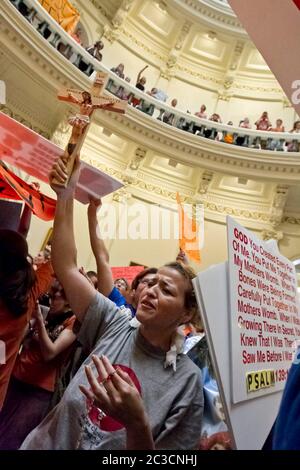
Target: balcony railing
point(57, 37)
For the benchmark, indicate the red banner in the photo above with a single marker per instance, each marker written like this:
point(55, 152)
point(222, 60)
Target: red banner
point(297, 3)
point(128, 272)
point(13, 187)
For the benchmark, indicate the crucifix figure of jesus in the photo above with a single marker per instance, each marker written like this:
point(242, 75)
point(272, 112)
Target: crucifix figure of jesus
point(87, 101)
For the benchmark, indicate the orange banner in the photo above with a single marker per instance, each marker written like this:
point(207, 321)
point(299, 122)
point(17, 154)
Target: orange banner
point(63, 12)
point(188, 234)
point(13, 187)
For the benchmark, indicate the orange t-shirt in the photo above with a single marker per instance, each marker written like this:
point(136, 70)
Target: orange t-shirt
point(31, 367)
point(12, 329)
point(228, 138)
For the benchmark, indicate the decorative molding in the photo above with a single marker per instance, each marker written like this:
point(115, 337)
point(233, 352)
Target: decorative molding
point(121, 14)
point(121, 195)
point(162, 191)
point(184, 31)
point(206, 179)
point(291, 220)
point(139, 156)
point(224, 95)
point(241, 213)
point(272, 235)
point(170, 68)
point(239, 47)
point(199, 75)
point(118, 20)
point(259, 88)
point(216, 14)
point(278, 204)
point(99, 7)
point(11, 113)
point(110, 34)
point(229, 82)
point(142, 45)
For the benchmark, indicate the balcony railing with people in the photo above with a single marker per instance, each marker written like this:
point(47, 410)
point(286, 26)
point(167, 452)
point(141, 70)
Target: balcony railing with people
point(57, 37)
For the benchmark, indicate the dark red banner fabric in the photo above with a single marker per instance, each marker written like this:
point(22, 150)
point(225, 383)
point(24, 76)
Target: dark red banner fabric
point(297, 3)
point(13, 187)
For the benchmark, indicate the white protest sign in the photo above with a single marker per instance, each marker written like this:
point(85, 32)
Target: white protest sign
point(264, 314)
point(250, 421)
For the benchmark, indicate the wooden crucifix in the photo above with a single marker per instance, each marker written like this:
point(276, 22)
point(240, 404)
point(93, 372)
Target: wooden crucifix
point(88, 101)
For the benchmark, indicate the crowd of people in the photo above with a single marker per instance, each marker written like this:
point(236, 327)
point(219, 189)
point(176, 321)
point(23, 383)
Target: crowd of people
point(93, 362)
point(205, 130)
point(229, 137)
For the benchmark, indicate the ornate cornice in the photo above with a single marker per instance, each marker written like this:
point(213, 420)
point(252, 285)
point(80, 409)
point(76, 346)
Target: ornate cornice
point(259, 88)
point(138, 185)
point(169, 195)
point(197, 74)
point(142, 45)
point(204, 183)
point(18, 117)
point(211, 12)
point(280, 196)
point(291, 220)
point(272, 235)
point(215, 14)
point(100, 7)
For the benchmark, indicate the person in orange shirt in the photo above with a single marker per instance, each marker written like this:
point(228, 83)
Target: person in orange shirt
point(20, 287)
point(36, 370)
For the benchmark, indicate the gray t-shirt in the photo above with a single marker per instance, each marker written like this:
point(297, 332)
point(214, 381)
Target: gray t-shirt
point(173, 400)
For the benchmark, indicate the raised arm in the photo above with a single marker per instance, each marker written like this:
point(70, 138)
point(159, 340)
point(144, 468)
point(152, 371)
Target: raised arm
point(140, 73)
point(182, 258)
point(78, 290)
point(104, 274)
point(49, 349)
point(73, 99)
point(25, 220)
point(106, 105)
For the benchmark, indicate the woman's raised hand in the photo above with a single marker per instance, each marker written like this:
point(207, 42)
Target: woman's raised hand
point(59, 173)
point(114, 393)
